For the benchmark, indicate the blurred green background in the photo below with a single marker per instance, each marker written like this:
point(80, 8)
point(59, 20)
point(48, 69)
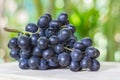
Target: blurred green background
point(98, 19)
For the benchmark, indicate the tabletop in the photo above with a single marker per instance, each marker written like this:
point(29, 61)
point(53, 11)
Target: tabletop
point(11, 71)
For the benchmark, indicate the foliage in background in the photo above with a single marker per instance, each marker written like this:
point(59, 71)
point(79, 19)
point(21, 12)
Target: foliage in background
point(98, 19)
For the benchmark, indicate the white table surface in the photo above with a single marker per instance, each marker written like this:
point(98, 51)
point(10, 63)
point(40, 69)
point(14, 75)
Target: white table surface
point(11, 71)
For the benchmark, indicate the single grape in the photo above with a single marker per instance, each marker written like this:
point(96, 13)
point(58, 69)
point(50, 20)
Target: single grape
point(43, 22)
point(25, 53)
point(64, 34)
point(31, 27)
point(34, 38)
point(43, 64)
point(24, 42)
point(87, 42)
point(79, 45)
point(85, 62)
point(33, 62)
point(95, 65)
point(75, 66)
point(59, 48)
point(55, 24)
point(13, 43)
point(92, 52)
point(76, 55)
point(37, 51)
point(64, 59)
point(53, 62)
point(53, 40)
point(43, 42)
point(23, 64)
point(48, 53)
point(63, 18)
point(15, 54)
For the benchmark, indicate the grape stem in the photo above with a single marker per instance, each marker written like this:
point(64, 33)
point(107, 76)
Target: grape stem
point(67, 48)
point(15, 31)
point(64, 48)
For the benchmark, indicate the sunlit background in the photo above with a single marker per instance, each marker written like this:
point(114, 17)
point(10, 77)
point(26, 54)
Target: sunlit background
point(98, 19)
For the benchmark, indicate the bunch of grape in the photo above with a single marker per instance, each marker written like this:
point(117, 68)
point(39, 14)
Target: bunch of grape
point(51, 44)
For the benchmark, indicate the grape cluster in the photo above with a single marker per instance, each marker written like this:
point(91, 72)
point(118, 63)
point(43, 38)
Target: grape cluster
point(52, 44)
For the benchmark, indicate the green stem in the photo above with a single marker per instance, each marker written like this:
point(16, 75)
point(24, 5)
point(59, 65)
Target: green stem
point(67, 48)
point(15, 31)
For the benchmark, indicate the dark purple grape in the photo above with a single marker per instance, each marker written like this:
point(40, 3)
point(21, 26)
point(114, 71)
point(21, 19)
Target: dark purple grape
point(13, 43)
point(92, 52)
point(64, 59)
point(63, 18)
point(53, 40)
point(64, 34)
point(25, 53)
point(79, 45)
point(75, 66)
point(48, 53)
point(15, 54)
point(95, 66)
point(34, 38)
point(59, 48)
point(33, 62)
point(53, 62)
point(23, 64)
point(43, 64)
point(55, 24)
point(31, 27)
point(43, 42)
point(87, 42)
point(85, 62)
point(43, 22)
point(76, 55)
point(37, 51)
point(24, 42)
